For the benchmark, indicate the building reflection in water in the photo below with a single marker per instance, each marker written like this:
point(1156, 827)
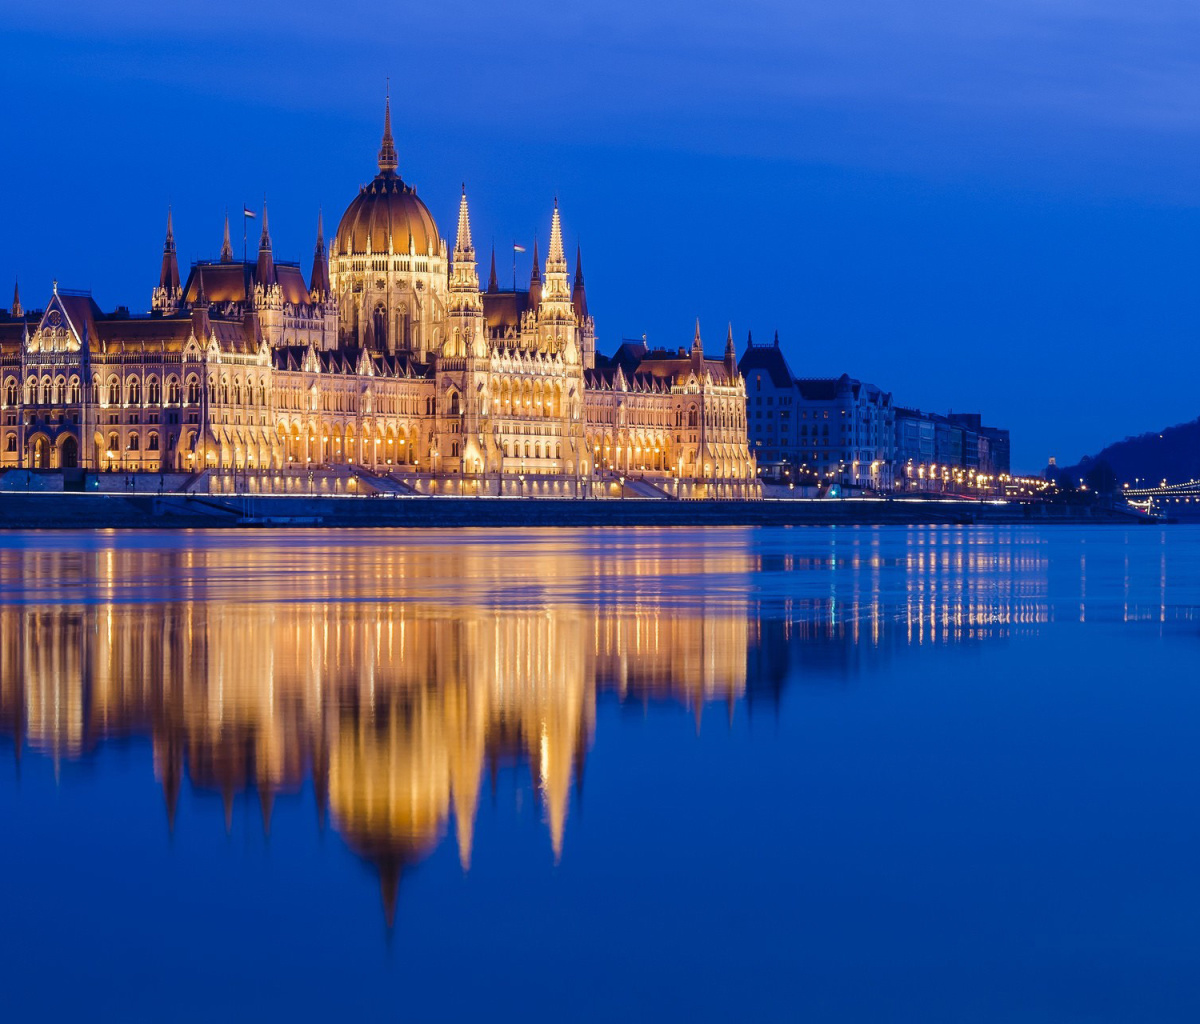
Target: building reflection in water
point(408, 673)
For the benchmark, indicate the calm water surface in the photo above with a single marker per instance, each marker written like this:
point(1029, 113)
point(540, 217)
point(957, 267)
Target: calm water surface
point(824, 774)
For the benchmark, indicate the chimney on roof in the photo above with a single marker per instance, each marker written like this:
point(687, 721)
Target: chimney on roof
point(535, 280)
point(319, 281)
point(493, 285)
point(201, 326)
point(265, 275)
point(579, 294)
point(168, 278)
point(226, 248)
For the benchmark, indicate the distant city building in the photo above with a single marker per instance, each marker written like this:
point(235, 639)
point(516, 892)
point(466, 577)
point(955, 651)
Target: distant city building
point(948, 452)
point(390, 358)
point(805, 430)
point(846, 431)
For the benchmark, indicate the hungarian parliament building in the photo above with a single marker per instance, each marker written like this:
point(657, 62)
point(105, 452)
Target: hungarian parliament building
point(391, 364)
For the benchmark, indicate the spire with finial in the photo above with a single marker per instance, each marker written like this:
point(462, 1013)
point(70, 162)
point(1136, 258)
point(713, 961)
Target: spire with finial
point(463, 247)
point(17, 310)
point(265, 274)
point(696, 342)
point(556, 254)
point(319, 281)
point(493, 284)
point(168, 278)
point(388, 162)
point(464, 279)
point(730, 354)
point(777, 339)
point(226, 247)
point(557, 285)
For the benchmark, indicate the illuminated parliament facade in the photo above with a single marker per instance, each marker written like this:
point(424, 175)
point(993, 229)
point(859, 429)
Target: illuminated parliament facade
point(390, 365)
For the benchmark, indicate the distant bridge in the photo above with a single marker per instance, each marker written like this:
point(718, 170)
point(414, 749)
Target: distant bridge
point(1172, 499)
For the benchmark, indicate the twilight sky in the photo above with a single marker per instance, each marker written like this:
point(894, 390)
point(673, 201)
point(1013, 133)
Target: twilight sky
point(988, 206)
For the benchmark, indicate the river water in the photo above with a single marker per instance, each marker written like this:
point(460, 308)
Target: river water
point(935, 774)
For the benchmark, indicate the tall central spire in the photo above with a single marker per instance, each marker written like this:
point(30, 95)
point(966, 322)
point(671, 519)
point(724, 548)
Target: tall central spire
point(464, 246)
point(388, 161)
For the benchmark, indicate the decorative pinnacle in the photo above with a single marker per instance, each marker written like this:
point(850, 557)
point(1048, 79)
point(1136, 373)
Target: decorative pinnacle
point(169, 245)
point(320, 228)
point(226, 248)
point(556, 254)
point(388, 162)
point(265, 241)
point(464, 244)
point(696, 338)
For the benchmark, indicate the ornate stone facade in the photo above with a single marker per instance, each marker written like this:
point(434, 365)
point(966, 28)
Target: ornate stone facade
point(390, 366)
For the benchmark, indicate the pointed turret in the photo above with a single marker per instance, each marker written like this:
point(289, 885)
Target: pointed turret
point(388, 161)
point(168, 278)
point(535, 280)
point(18, 310)
point(319, 281)
point(557, 285)
point(465, 307)
point(777, 339)
point(493, 284)
point(266, 261)
point(556, 254)
point(697, 344)
point(226, 248)
point(463, 245)
point(578, 294)
point(730, 354)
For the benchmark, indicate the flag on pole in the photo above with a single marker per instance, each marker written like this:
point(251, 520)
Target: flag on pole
point(518, 248)
point(247, 212)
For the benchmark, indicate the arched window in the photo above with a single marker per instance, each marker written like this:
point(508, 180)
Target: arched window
point(134, 392)
point(692, 416)
point(152, 442)
point(453, 403)
point(75, 392)
point(237, 392)
point(114, 443)
point(224, 391)
point(379, 326)
point(193, 391)
point(114, 391)
point(10, 392)
point(59, 394)
point(173, 390)
point(45, 391)
point(10, 443)
point(134, 442)
point(153, 392)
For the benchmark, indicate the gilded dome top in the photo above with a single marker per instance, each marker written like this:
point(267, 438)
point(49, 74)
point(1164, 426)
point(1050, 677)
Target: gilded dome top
point(386, 215)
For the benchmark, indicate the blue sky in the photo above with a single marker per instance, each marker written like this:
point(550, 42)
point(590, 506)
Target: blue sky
point(988, 206)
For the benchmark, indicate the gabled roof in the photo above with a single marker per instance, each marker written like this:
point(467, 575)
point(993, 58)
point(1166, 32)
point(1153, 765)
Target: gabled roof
point(234, 282)
point(768, 358)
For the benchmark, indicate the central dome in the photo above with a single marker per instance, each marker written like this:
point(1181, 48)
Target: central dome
point(387, 213)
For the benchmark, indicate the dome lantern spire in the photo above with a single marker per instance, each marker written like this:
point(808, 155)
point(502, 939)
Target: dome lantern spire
point(388, 161)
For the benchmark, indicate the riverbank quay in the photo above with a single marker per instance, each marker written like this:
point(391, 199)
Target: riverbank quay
point(69, 511)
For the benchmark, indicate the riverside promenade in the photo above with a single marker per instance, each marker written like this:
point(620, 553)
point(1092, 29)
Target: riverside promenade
point(72, 511)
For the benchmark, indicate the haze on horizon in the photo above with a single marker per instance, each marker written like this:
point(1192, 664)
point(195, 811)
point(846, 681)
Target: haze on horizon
point(983, 208)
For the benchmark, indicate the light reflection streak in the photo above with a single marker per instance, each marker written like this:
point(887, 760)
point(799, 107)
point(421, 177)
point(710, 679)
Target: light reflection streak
point(395, 675)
